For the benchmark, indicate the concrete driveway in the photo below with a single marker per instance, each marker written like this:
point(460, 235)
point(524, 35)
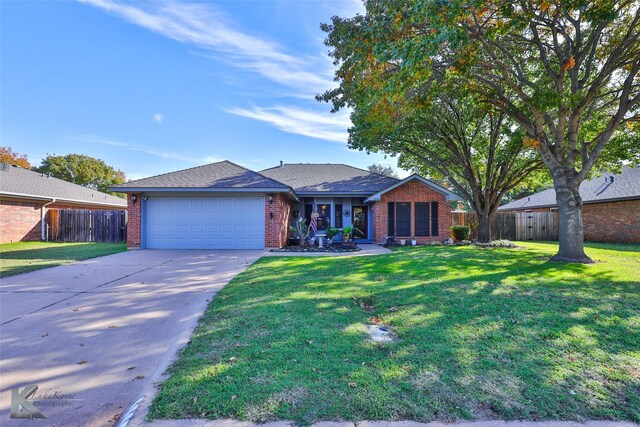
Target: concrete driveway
point(95, 335)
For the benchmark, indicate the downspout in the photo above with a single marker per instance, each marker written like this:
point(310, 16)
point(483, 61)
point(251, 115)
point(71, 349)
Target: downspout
point(43, 234)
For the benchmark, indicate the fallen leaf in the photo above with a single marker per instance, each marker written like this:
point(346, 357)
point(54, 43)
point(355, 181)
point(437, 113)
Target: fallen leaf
point(234, 397)
point(130, 368)
point(139, 377)
point(353, 385)
point(46, 334)
point(113, 326)
point(76, 309)
point(82, 362)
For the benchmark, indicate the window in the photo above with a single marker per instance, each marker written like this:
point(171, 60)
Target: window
point(391, 217)
point(553, 209)
point(434, 218)
point(338, 220)
point(324, 216)
point(403, 219)
point(422, 219)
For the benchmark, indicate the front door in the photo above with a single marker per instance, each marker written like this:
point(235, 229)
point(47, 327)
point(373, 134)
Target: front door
point(360, 226)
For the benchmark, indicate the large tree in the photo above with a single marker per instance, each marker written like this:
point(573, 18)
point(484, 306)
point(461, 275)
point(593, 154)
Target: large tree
point(7, 155)
point(565, 71)
point(82, 170)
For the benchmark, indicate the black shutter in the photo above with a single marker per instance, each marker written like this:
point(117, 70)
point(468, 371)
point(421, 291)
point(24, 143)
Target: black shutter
point(391, 217)
point(338, 220)
point(434, 218)
point(422, 219)
point(403, 219)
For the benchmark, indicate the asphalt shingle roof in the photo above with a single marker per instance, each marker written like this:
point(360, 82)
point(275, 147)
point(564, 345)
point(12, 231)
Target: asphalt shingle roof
point(328, 178)
point(223, 174)
point(17, 180)
point(624, 186)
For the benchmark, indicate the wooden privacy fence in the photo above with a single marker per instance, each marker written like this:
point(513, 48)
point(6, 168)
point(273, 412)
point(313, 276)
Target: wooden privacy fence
point(514, 225)
point(79, 225)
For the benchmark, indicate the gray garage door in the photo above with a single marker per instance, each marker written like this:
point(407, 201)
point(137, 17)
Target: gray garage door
point(204, 222)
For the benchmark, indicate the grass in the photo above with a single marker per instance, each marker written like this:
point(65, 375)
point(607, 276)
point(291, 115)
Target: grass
point(482, 334)
point(22, 257)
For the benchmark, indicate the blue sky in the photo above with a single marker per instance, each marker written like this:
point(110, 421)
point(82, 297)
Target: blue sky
point(152, 87)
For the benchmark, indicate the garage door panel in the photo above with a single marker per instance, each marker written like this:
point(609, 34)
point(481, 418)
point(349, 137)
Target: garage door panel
point(204, 223)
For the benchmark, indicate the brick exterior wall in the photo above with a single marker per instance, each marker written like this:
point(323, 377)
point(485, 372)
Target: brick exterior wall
point(413, 191)
point(612, 222)
point(134, 217)
point(277, 216)
point(20, 219)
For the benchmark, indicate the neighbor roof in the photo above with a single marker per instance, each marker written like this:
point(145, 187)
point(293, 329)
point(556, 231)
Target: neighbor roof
point(313, 178)
point(24, 183)
point(450, 196)
point(624, 186)
point(223, 175)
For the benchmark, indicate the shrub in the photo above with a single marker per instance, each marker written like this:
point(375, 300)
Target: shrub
point(460, 232)
point(496, 244)
point(331, 232)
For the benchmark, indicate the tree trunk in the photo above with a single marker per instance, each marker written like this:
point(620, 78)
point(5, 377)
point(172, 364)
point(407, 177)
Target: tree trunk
point(571, 228)
point(484, 228)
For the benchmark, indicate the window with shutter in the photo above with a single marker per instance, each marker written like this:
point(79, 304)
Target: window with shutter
point(422, 219)
point(434, 218)
point(403, 219)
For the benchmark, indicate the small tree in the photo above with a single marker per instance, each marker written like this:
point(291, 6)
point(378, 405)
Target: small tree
point(387, 171)
point(7, 155)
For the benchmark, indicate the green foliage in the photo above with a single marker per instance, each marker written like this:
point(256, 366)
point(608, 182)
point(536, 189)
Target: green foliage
point(331, 232)
point(460, 232)
point(82, 170)
point(346, 232)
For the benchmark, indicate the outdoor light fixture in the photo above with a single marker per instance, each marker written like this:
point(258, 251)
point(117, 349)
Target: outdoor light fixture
point(270, 198)
point(271, 215)
point(134, 198)
point(145, 197)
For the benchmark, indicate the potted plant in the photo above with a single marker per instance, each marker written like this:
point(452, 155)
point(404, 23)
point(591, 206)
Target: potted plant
point(413, 240)
point(347, 233)
point(331, 233)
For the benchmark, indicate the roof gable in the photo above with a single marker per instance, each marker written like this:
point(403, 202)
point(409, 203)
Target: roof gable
point(312, 178)
point(450, 196)
point(220, 175)
point(622, 187)
point(19, 182)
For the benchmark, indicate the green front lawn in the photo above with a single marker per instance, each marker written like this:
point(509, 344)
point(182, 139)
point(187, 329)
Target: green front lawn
point(21, 257)
point(482, 334)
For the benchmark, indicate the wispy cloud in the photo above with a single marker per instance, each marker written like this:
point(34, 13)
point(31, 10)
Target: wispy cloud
point(158, 118)
point(208, 28)
point(165, 154)
point(331, 127)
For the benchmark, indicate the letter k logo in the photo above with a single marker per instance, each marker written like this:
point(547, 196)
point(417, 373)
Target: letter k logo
point(20, 406)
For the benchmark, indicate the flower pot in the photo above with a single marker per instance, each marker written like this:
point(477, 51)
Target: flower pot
point(403, 242)
point(413, 243)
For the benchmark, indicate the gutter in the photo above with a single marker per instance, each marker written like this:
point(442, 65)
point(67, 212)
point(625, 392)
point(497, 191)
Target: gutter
point(43, 235)
point(77, 201)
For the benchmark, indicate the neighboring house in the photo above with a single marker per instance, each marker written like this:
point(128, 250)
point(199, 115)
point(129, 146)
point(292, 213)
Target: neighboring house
point(26, 197)
point(611, 211)
point(226, 206)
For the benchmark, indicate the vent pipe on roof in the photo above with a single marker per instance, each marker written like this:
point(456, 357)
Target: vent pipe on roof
point(612, 179)
point(281, 164)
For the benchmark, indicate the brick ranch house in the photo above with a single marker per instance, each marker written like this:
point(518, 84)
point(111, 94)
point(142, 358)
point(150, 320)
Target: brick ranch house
point(611, 210)
point(226, 206)
point(27, 196)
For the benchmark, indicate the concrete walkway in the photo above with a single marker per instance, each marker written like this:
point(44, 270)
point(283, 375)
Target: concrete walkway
point(96, 335)
point(234, 423)
point(366, 250)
